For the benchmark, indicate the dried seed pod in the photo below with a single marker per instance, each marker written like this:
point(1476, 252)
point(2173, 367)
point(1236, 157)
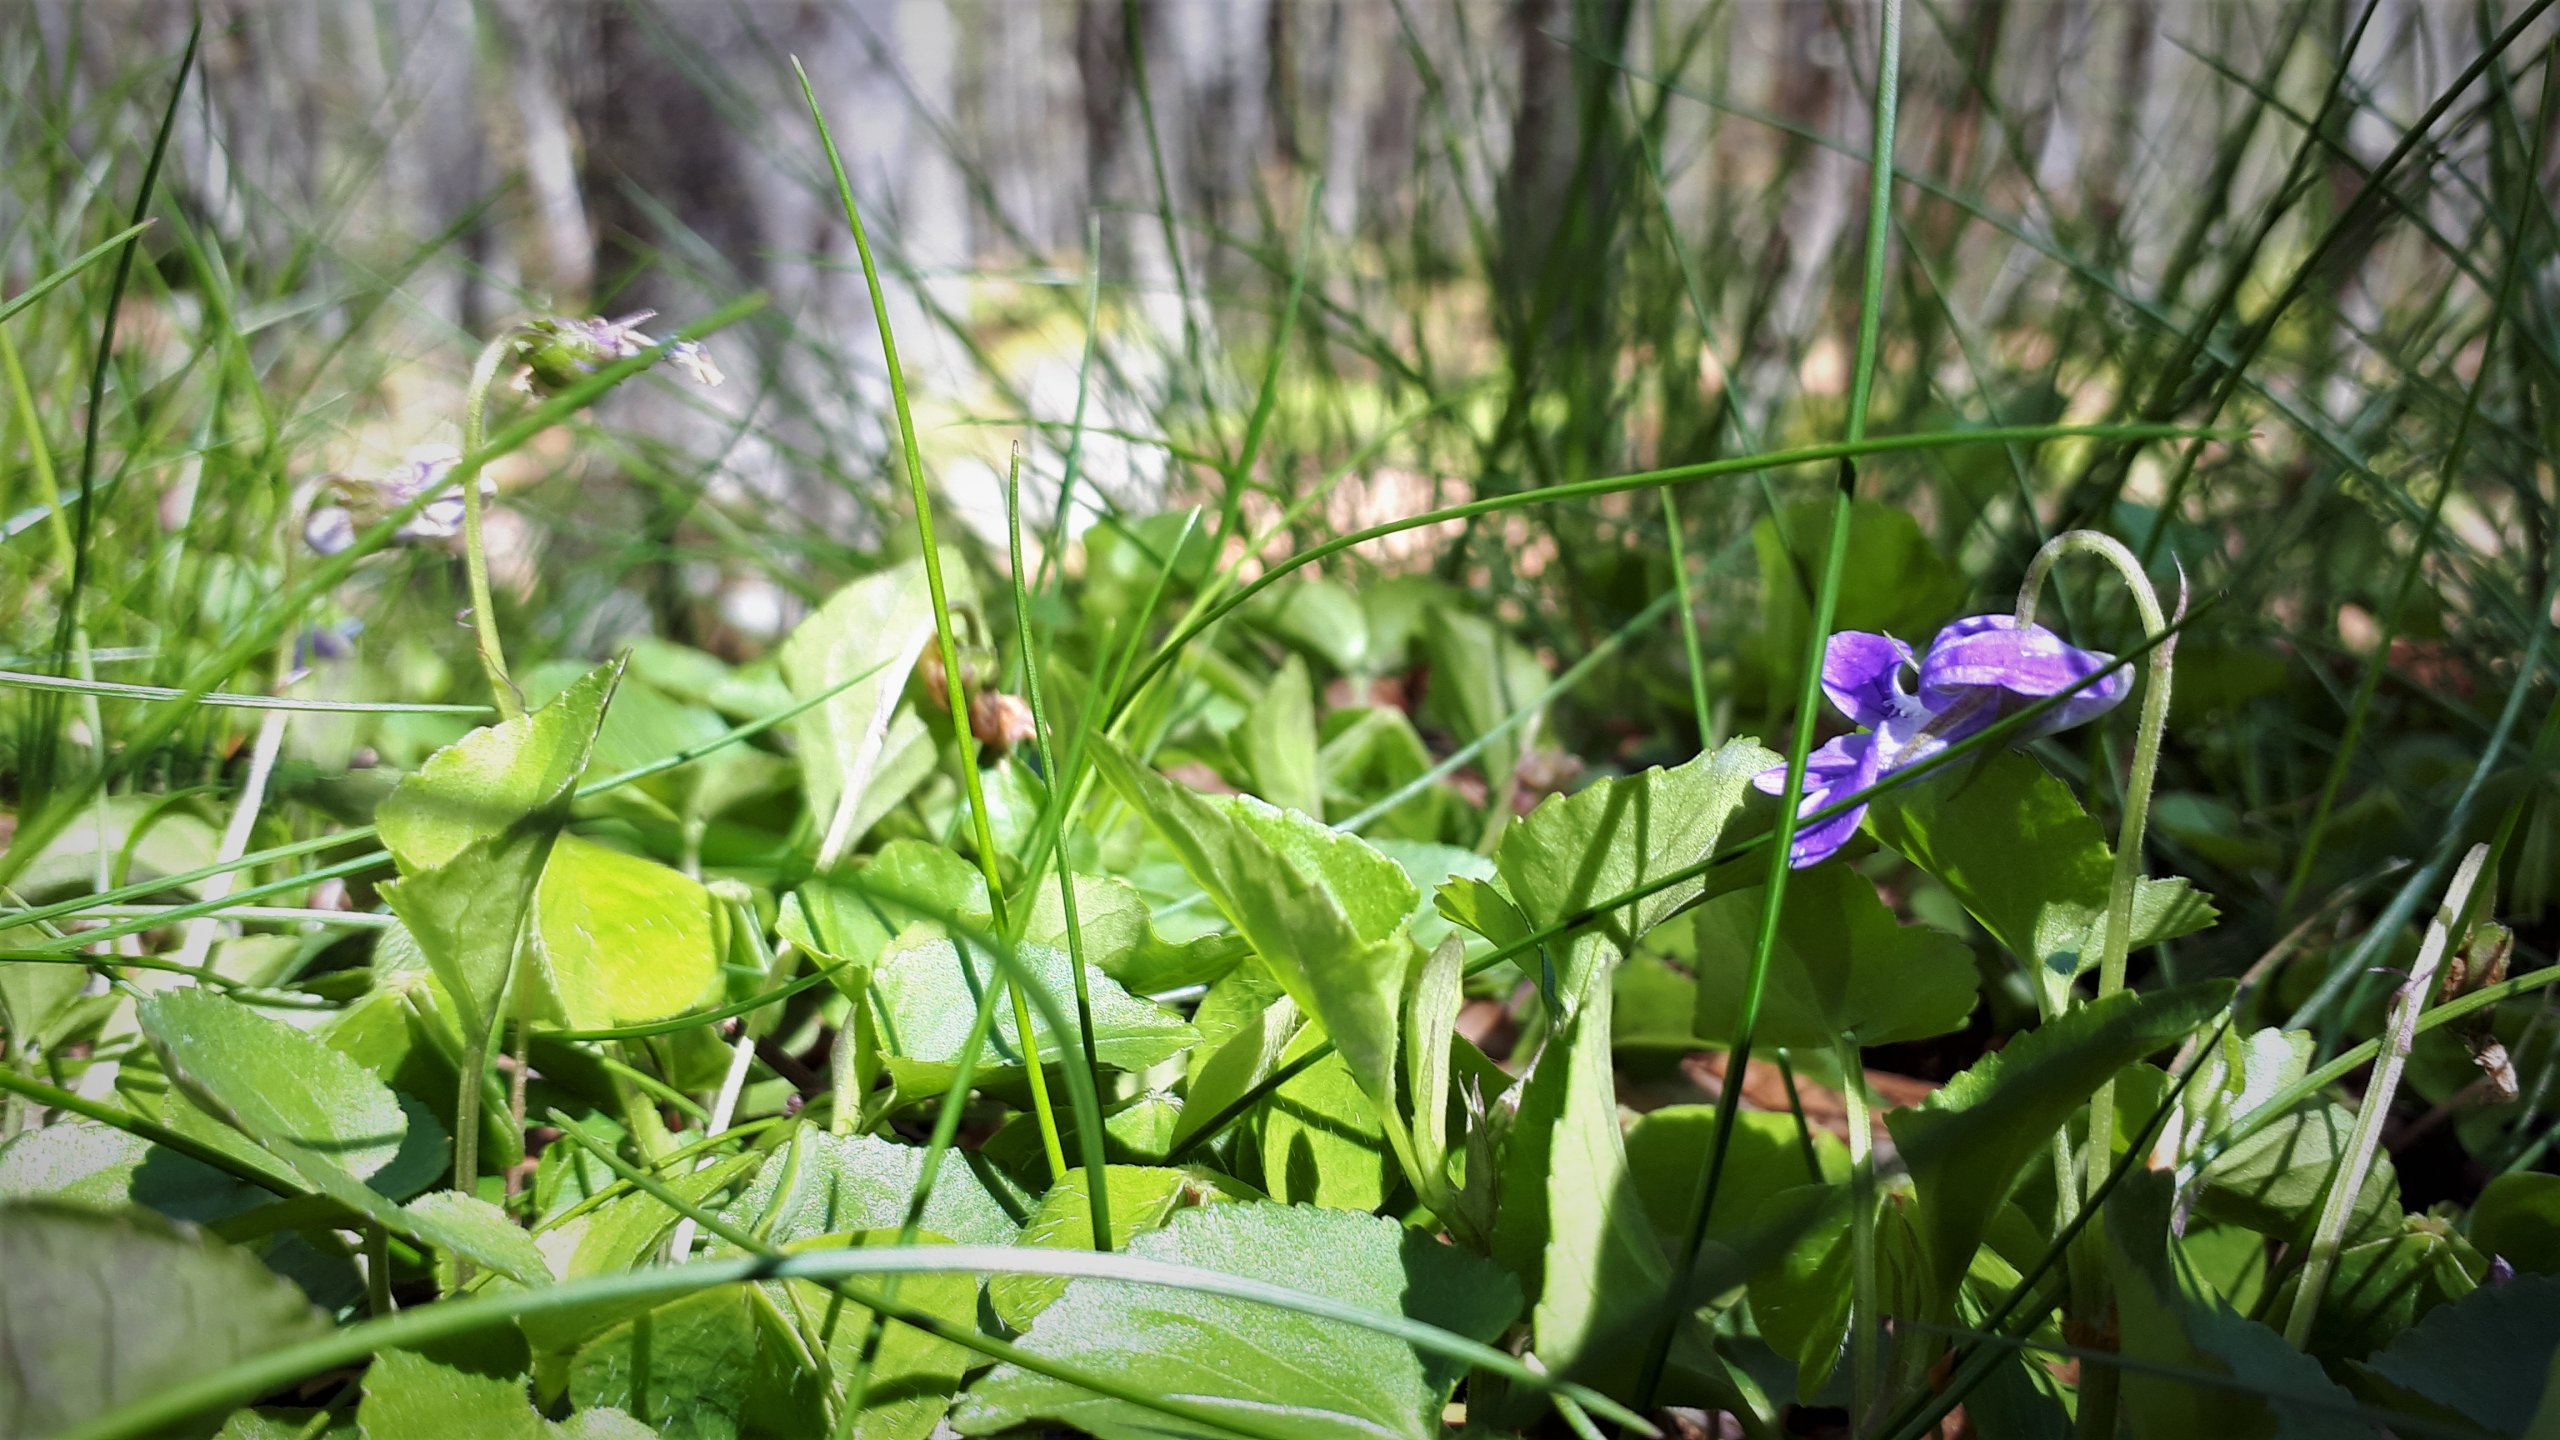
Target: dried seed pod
point(1000, 721)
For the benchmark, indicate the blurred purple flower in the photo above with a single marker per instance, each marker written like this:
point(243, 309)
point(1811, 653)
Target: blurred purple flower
point(326, 642)
point(425, 469)
point(556, 351)
point(1976, 671)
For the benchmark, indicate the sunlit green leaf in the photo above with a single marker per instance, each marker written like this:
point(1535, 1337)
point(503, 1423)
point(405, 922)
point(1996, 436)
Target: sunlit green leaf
point(1321, 1379)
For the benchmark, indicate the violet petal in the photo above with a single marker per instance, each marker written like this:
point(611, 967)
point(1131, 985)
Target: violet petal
point(1862, 673)
point(1991, 652)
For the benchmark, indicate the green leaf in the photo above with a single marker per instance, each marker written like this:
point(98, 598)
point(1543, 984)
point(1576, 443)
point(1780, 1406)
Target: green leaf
point(1967, 1145)
point(1611, 837)
point(1570, 1217)
point(1324, 911)
point(284, 1424)
point(472, 832)
point(698, 1369)
point(913, 1374)
point(1319, 1137)
point(469, 1225)
point(1432, 996)
point(928, 990)
point(1429, 866)
point(1251, 1048)
point(1317, 1378)
point(496, 779)
point(1843, 966)
point(2486, 1358)
point(2517, 1219)
point(101, 1309)
point(34, 998)
point(275, 1081)
point(1319, 616)
point(104, 1168)
point(2271, 1388)
point(2018, 852)
point(1142, 1198)
point(1479, 676)
point(1121, 939)
point(874, 628)
point(2276, 1181)
point(822, 1184)
point(1894, 582)
point(317, 1112)
point(618, 940)
point(472, 1385)
point(1278, 741)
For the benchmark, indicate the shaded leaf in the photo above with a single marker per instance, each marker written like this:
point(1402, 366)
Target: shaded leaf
point(2517, 1219)
point(2486, 1357)
point(2018, 852)
point(1843, 965)
point(1278, 742)
point(100, 1309)
point(2271, 1388)
point(1479, 676)
point(1968, 1144)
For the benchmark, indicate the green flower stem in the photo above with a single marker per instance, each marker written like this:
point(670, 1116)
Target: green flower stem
point(2090, 1302)
point(475, 554)
point(2340, 1208)
point(466, 1112)
point(1862, 1234)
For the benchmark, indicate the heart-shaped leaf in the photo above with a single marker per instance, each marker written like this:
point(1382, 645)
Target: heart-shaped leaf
point(1843, 966)
point(618, 940)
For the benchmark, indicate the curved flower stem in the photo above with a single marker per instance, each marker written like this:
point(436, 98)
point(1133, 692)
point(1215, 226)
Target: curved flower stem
point(1862, 1234)
point(475, 555)
point(2090, 1302)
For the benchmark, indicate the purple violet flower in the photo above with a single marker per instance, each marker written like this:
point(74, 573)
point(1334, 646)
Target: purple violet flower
point(1977, 670)
point(333, 527)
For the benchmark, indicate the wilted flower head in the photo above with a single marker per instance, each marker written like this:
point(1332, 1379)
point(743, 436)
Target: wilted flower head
point(359, 503)
point(1977, 670)
point(557, 351)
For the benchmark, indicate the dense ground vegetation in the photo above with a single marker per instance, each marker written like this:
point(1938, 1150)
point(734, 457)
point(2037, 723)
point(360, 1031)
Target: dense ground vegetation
point(1980, 864)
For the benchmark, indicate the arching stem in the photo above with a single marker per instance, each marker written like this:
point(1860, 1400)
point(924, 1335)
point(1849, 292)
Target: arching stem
point(2090, 1302)
point(475, 554)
